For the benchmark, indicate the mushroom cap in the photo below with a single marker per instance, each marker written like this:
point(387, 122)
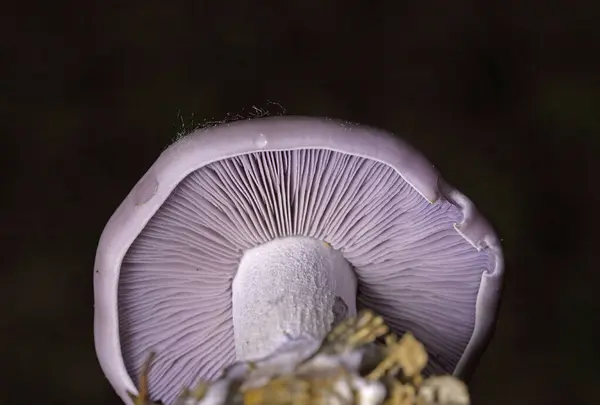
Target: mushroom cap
point(425, 259)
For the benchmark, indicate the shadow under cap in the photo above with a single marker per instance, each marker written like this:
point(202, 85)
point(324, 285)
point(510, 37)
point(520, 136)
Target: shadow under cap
point(425, 259)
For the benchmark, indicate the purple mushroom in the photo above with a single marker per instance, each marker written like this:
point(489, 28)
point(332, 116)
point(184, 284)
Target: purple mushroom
point(247, 235)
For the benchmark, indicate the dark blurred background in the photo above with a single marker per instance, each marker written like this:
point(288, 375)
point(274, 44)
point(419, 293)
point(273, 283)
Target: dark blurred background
point(503, 96)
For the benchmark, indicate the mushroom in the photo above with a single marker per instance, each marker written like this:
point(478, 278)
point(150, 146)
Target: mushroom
point(247, 235)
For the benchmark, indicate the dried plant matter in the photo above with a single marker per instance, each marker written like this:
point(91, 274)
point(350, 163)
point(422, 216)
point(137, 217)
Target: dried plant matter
point(348, 368)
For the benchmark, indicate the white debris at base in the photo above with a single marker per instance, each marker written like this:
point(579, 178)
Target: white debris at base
point(347, 368)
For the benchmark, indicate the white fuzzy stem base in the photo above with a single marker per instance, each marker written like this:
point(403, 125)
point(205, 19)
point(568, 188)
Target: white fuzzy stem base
point(289, 289)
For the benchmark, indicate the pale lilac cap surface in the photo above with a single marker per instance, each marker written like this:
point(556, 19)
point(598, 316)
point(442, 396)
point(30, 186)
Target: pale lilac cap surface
point(424, 257)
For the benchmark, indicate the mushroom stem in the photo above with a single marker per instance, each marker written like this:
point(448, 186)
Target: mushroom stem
point(289, 289)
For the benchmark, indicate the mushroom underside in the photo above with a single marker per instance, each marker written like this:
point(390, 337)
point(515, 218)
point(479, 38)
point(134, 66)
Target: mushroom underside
point(175, 284)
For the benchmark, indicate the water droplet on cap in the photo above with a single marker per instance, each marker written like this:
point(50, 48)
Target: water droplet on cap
point(261, 141)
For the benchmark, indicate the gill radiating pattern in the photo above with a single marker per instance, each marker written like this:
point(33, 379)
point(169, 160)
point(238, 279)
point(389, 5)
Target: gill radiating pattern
point(175, 282)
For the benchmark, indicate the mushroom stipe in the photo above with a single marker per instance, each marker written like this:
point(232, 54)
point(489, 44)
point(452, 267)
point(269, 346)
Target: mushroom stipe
point(335, 374)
